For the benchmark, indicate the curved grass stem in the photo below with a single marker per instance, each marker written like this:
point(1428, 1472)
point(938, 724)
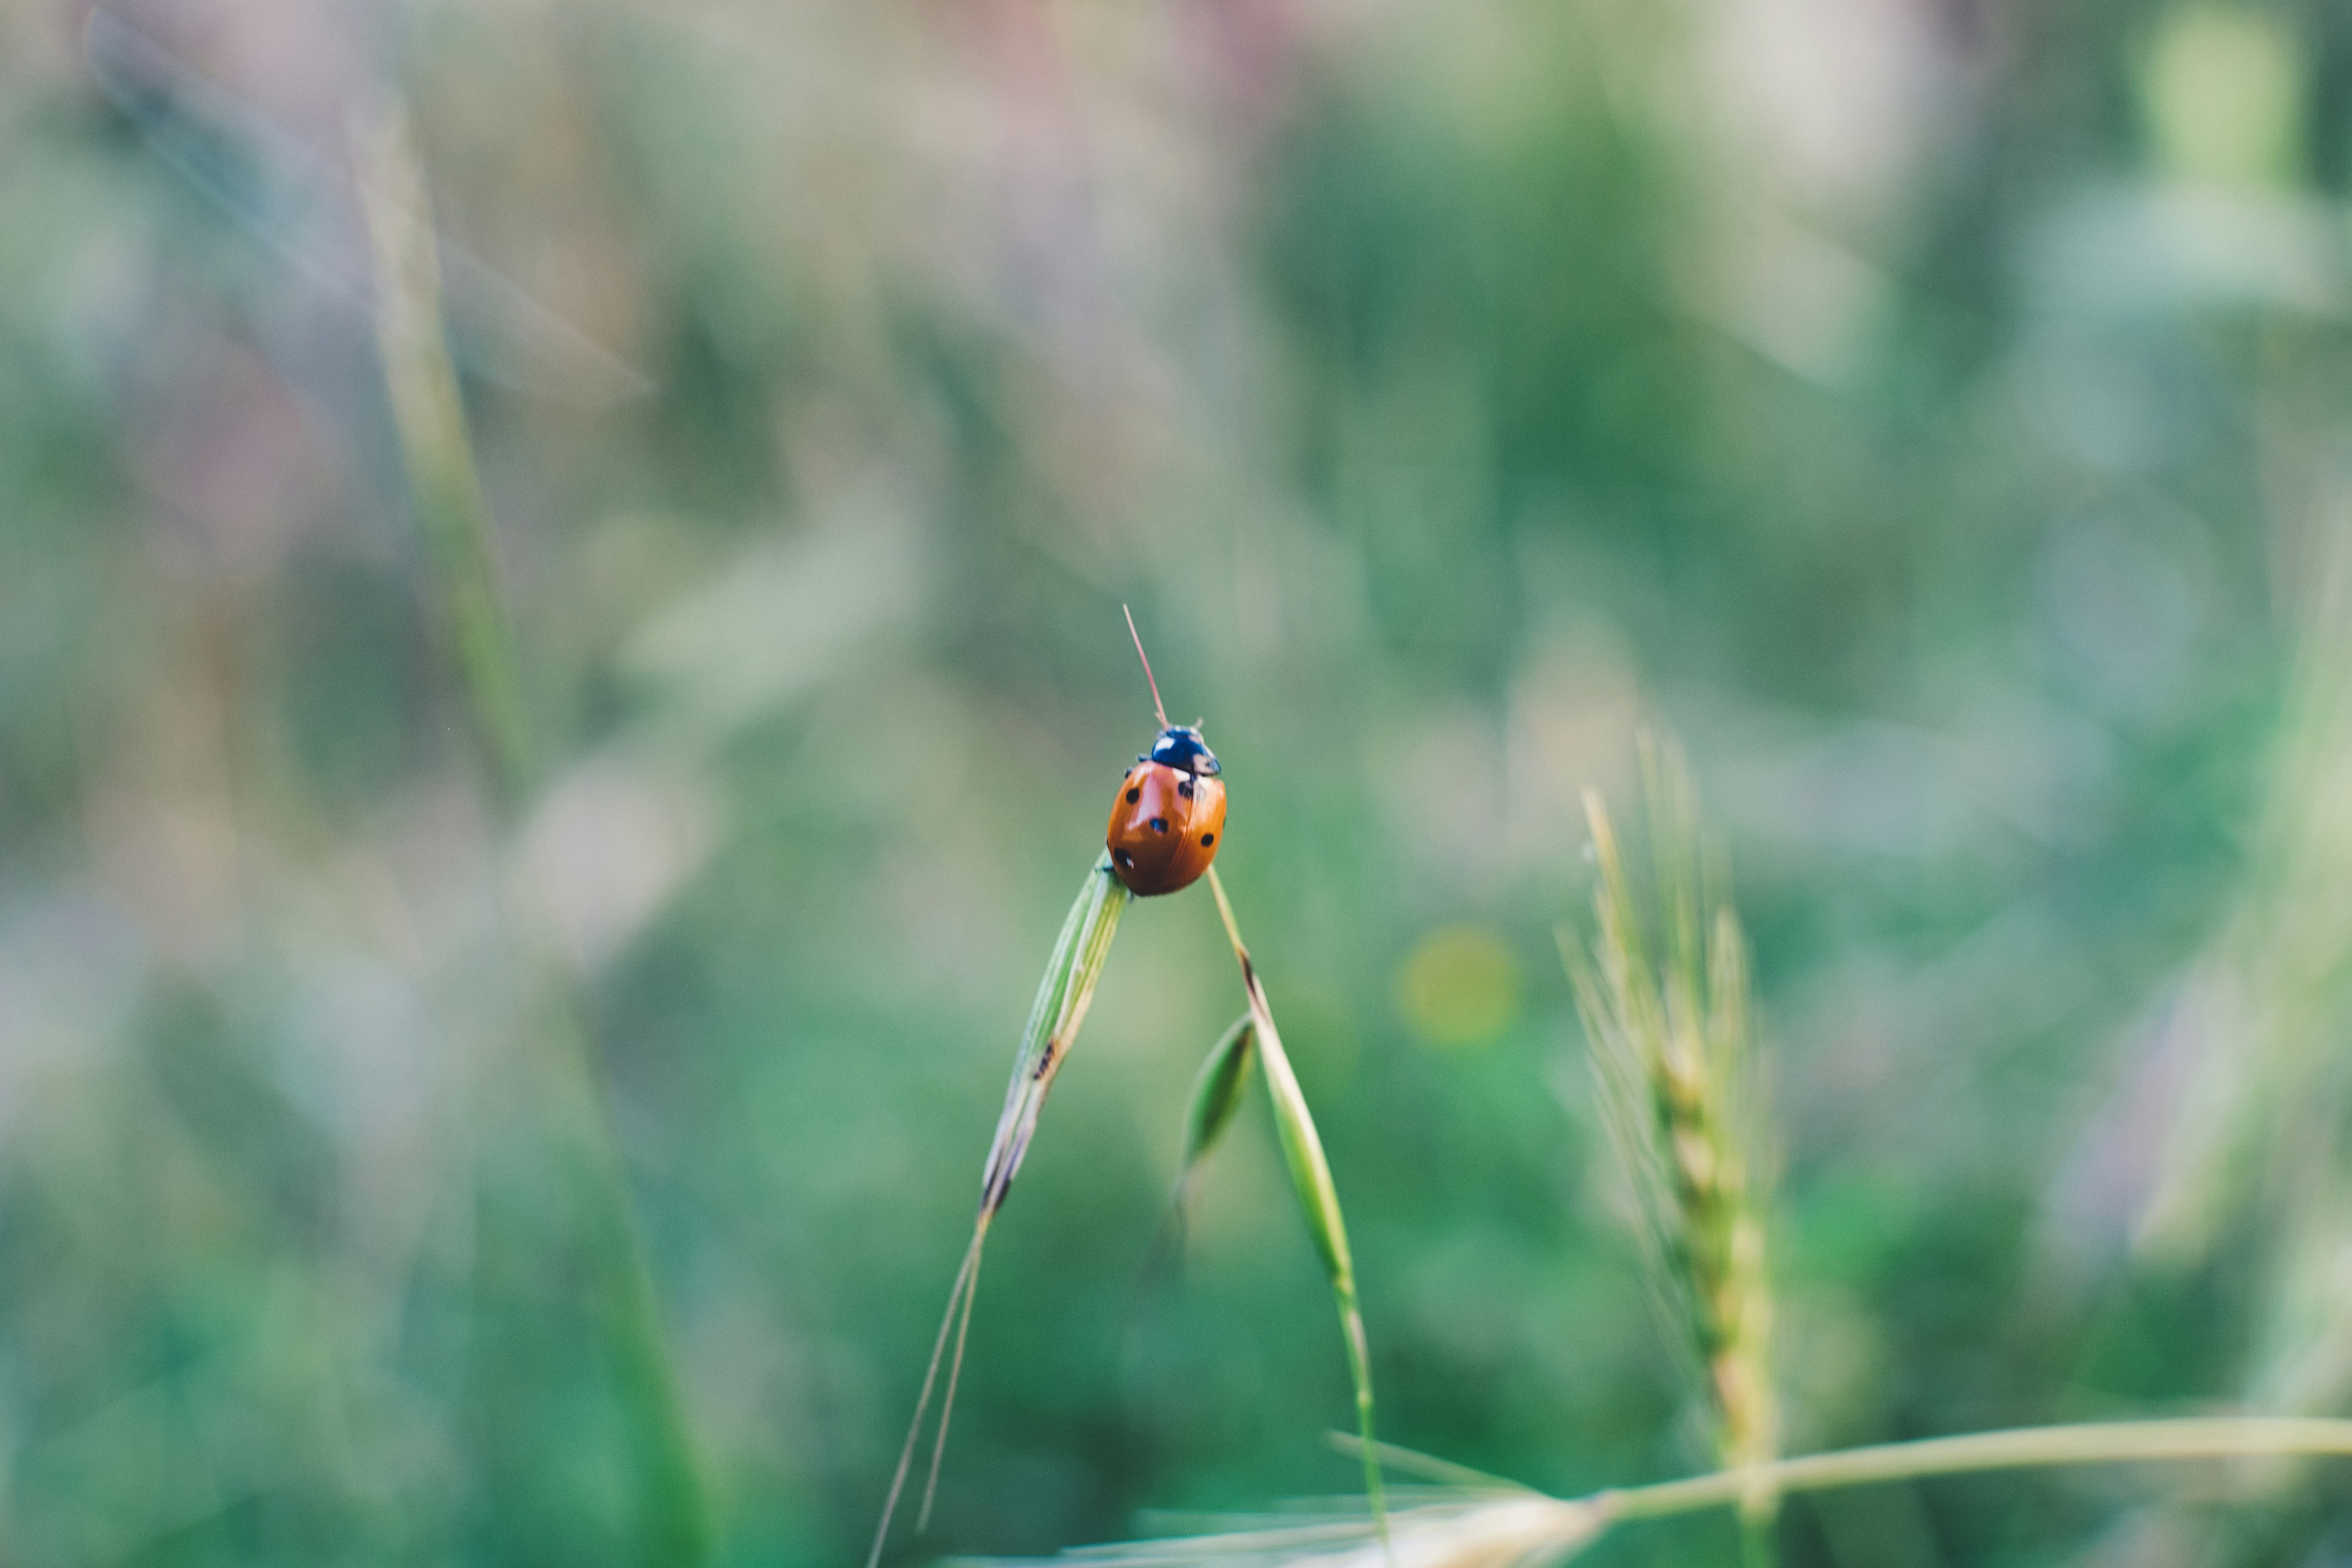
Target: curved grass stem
point(1318, 1198)
point(1562, 1528)
point(2018, 1448)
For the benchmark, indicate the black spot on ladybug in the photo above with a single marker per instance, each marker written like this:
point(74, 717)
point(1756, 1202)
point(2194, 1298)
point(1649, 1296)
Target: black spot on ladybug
point(1126, 861)
point(1207, 839)
point(1158, 824)
point(1133, 795)
point(1184, 788)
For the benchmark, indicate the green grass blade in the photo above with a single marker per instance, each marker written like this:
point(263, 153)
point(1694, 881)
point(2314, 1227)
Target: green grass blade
point(1318, 1199)
point(1064, 994)
point(1062, 998)
point(429, 416)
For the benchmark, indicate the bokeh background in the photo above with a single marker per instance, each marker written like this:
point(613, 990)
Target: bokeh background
point(1935, 412)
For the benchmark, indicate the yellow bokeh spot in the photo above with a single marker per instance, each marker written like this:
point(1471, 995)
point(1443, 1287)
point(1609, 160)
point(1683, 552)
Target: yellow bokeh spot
point(1459, 986)
point(2223, 92)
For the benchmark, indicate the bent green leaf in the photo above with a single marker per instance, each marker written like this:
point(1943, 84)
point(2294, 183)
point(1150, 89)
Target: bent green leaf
point(1216, 1094)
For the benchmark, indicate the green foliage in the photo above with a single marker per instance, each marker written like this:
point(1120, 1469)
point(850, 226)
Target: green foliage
point(1932, 416)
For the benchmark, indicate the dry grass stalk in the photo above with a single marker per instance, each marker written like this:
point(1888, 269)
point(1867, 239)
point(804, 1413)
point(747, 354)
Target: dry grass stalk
point(1490, 1524)
point(1673, 1046)
point(1517, 1529)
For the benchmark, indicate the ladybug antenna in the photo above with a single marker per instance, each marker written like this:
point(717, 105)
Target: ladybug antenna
point(1156, 705)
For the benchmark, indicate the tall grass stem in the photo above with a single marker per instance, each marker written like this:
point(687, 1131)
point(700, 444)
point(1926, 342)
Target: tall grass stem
point(1570, 1525)
point(454, 521)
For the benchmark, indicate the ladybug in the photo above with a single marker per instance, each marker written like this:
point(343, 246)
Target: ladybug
point(1170, 812)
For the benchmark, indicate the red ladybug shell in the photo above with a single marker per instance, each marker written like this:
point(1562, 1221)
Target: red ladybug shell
point(1167, 819)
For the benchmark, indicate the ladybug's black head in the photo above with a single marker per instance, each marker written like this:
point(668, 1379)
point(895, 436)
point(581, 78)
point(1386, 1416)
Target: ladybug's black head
point(1181, 746)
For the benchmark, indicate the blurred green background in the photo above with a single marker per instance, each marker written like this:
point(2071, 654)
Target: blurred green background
point(1937, 413)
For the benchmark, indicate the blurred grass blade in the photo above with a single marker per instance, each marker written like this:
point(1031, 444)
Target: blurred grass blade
point(303, 209)
point(1445, 1528)
point(451, 513)
point(1064, 995)
point(2018, 1448)
point(461, 588)
point(1483, 1521)
point(1318, 1199)
point(1428, 1467)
